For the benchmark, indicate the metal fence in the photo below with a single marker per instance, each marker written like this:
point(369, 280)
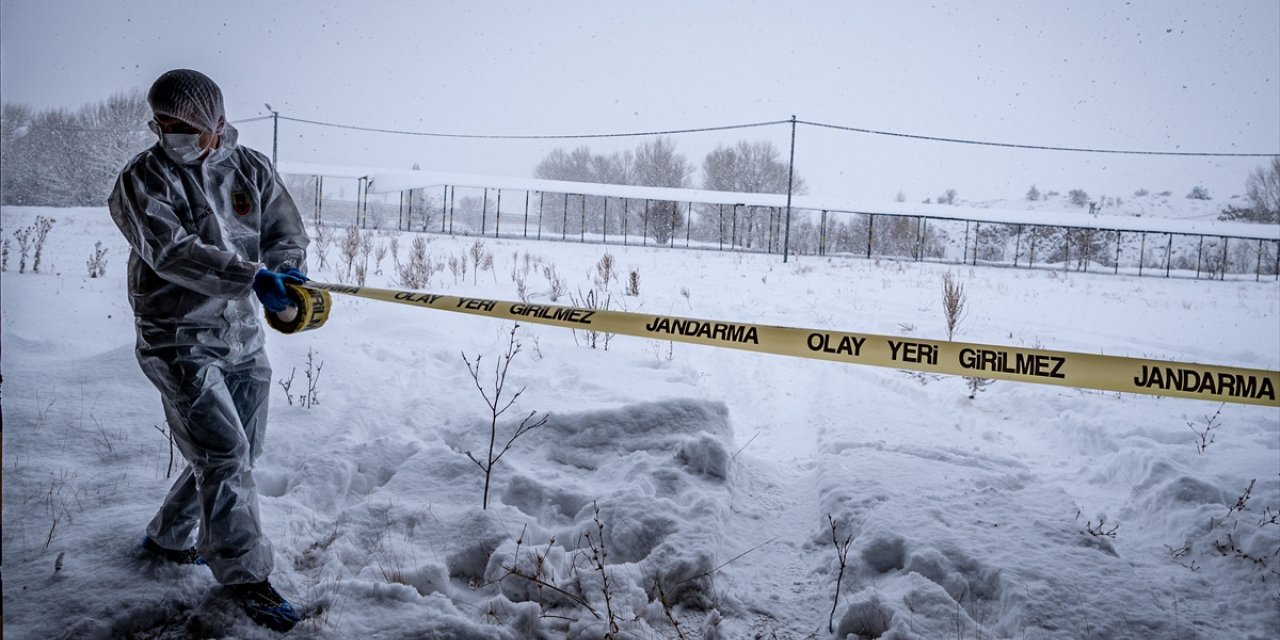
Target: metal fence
point(594, 219)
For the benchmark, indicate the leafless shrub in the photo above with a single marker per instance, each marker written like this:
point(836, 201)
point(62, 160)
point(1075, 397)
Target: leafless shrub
point(287, 384)
point(605, 272)
point(487, 265)
point(323, 239)
point(493, 399)
point(977, 385)
point(557, 284)
point(23, 236)
point(953, 303)
point(1242, 503)
point(633, 283)
point(349, 248)
point(666, 607)
point(598, 558)
point(458, 268)
point(366, 248)
point(595, 301)
point(1100, 529)
point(1204, 437)
point(417, 272)
point(379, 254)
point(954, 307)
point(97, 262)
point(311, 397)
point(1269, 517)
point(42, 227)
point(522, 289)
point(479, 257)
point(4, 254)
point(842, 555)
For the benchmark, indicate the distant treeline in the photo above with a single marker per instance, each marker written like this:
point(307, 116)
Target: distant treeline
point(63, 157)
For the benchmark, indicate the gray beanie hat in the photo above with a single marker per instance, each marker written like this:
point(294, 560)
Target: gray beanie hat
point(189, 96)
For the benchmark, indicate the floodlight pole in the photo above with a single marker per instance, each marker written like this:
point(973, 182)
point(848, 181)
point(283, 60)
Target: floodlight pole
point(786, 240)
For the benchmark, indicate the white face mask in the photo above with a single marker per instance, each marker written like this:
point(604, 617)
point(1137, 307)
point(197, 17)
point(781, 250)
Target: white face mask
point(183, 148)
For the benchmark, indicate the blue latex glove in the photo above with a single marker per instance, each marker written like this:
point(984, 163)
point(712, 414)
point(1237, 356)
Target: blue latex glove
point(269, 286)
point(293, 271)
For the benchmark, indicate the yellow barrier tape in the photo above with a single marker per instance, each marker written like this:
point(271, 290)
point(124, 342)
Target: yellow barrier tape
point(1040, 366)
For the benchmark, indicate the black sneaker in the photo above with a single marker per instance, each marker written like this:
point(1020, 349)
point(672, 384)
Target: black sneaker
point(265, 605)
point(184, 556)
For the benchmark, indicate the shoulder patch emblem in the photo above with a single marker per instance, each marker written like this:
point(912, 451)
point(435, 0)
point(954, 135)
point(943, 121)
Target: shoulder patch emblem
point(241, 202)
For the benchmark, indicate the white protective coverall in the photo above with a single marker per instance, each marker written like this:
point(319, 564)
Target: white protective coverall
point(199, 232)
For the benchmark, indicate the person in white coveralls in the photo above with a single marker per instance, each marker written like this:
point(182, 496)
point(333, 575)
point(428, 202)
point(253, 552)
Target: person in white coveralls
point(210, 225)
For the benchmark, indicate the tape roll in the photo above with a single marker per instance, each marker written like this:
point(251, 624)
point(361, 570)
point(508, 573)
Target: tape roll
point(312, 310)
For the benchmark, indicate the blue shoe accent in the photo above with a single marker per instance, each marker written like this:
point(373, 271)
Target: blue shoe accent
point(265, 605)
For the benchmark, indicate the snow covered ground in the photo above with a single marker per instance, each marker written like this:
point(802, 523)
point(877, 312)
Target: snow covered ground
point(718, 484)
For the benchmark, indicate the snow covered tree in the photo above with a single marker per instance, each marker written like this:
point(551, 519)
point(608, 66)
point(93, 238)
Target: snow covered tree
point(658, 164)
point(573, 166)
point(749, 167)
point(60, 157)
point(1262, 188)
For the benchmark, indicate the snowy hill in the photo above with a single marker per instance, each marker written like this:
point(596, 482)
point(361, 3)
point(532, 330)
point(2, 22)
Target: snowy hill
point(676, 491)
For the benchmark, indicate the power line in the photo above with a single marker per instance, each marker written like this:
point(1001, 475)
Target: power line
point(533, 137)
point(877, 132)
point(1011, 145)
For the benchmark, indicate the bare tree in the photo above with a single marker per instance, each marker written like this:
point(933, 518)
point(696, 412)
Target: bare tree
point(1262, 188)
point(63, 157)
point(499, 405)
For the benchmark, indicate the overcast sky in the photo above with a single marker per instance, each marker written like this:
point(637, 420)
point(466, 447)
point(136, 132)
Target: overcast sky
point(1161, 75)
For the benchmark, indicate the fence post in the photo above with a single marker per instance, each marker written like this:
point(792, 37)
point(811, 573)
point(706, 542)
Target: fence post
point(526, 214)
point(1017, 247)
point(977, 226)
point(688, 223)
point(644, 228)
point(871, 223)
point(1199, 255)
point(721, 234)
point(1142, 253)
point(733, 234)
point(319, 198)
point(1117, 251)
point(484, 210)
point(497, 215)
point(1257, 273)
point(1225, 257)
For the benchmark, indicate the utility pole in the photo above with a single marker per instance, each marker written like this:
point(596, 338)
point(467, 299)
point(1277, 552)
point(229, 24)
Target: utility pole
point(786, 241)
point(275, 132)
